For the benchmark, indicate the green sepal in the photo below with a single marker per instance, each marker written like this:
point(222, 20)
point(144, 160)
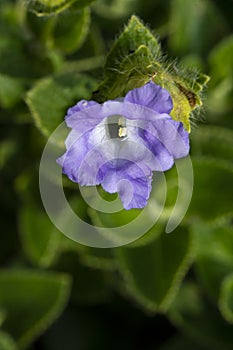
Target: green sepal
point(134, 71)
point(134, 35)
point(184, 87)
point(136, 58)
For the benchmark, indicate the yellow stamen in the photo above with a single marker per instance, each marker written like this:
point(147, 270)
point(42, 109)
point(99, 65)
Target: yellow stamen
point(122, 132)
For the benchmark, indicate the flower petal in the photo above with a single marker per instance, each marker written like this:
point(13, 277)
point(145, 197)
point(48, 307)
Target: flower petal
point(112, 107)
point(84, 119)
point(88, 116)
point(132, 111)
point(164, 160)
point(77, 148)
point(141, 191)
point(130, 182)
point(83, 104)
point(147, 148)
point(151, 96)
point(124, 164)
point(171, 135)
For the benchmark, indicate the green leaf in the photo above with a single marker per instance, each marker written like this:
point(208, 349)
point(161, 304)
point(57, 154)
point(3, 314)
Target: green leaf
point(7, 150)
point(61, 34)
point(90, 285)
point(200, 321)
point(52, 7)
point(219, 99)
point(179, 342)
point(114, 9)
point(50, 98)
point(189, 32)
point(40, 238)
point(22, 57)
point(84, 65)
point(214, 260)
point(226, 298)
point(213, 191)
point(32, 301)
point(6, 342)
point(70, 31)
point(2, 317)
point(213, 141)
point(154, 272)
point(124, 217)
point(97, 258)
point(43, 244)
point(220, 59)
point(11, 91)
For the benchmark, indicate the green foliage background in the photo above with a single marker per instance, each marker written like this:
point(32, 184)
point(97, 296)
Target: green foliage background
point(164, 291)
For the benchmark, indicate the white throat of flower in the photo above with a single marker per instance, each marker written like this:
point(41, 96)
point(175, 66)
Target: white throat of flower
point(116, 127)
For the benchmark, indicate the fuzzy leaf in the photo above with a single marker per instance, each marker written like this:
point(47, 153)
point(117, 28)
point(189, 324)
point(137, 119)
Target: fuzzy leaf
point(213, 191)
point(129, 62)
point(90, 285)
point(220, 59)
point(11, 90)
point(215, 263)
point(213, 141)
point(43, 244)
point(97, 258)
point(50, 98)
point(52, 7)
point(40, 238)
point(189, 32)
point(113, 9)
point(6, 342)
point(153, 273)
point(200, 321)
point(35, 299)
point(124, 217)
point(226, 298)
point(70, 31)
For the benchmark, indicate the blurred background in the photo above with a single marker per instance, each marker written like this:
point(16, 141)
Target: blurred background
point(164, 291)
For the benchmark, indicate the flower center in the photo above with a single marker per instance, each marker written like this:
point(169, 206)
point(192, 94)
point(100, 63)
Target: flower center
point(116, 127)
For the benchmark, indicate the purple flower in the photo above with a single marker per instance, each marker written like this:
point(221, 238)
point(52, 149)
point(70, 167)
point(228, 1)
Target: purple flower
point(119, 143)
